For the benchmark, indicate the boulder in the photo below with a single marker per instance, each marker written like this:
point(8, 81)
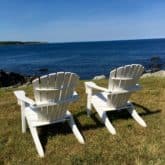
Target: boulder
point(11, 78)
point(99, 77)
point(160, 73)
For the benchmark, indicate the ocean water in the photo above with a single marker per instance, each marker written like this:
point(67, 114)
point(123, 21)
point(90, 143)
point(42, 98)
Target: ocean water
point(87, 59)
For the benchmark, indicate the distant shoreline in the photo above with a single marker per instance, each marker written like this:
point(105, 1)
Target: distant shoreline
point(3, 43)
point(74, 42)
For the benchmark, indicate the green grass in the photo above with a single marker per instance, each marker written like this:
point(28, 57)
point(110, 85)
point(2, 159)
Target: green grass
point(132, 144)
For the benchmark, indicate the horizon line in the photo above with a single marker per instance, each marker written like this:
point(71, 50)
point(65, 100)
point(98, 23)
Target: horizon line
point(62, 42)
point(83, 41)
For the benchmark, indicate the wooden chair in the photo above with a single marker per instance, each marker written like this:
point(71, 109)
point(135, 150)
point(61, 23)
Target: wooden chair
point(122, 82)
point(53, 93)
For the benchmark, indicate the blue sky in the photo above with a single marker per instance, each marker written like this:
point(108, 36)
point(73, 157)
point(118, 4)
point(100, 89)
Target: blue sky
point(81, 20)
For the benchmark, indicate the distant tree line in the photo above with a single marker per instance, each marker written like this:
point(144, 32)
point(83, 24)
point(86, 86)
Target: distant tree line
point(19, 42)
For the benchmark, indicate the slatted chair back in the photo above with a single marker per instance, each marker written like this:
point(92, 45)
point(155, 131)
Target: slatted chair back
point(54, 88)
point(123, 78)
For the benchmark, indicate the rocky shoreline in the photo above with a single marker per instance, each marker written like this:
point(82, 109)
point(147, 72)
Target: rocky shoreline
point(160, 73)
point(11, 79)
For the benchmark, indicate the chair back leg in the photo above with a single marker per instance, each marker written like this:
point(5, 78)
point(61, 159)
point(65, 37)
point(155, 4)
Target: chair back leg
point(36, 139)
point(74, 128)
point(89, 105)
point(136, 116)
point(106, 121)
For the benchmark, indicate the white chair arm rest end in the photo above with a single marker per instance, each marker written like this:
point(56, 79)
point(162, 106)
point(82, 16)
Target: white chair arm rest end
point(92, 86)
point(22, 98)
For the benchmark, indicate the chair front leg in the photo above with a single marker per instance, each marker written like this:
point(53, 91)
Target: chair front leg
point(89, 104)
point(89, 92)
point(23, 119)
point(36, 139)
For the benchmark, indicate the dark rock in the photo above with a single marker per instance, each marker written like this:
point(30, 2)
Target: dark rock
point(155, 64)
point(43, 70)
point(31, 78)
point(11, 78)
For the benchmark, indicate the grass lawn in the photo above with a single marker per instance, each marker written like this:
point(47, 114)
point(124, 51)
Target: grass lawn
point(133, 144)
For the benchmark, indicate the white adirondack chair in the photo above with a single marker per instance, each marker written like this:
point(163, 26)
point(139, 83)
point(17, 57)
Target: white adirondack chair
point(53, 93)
point(122, 82)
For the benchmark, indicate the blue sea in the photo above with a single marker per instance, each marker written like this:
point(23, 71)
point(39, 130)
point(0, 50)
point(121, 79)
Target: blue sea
point(87, 59)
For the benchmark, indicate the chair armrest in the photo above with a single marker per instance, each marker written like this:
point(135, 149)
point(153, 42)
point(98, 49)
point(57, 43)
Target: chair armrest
point(21, 97)
point(27, 101)
point(74, 97)
point(92, 86)
point(133, 89)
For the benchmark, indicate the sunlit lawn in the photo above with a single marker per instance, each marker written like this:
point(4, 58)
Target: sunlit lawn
point(132, 144)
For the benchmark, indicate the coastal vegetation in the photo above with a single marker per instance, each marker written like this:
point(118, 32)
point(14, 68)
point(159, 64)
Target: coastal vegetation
point(132, 144)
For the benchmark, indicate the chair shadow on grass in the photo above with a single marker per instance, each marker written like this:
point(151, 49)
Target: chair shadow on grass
point(63, 128)
point(52, 131)
point(146, 110)
point(115, 115)
point(124, 114)
point(57, 129)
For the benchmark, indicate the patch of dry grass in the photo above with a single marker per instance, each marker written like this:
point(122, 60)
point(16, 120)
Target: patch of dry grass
point(132, 144)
